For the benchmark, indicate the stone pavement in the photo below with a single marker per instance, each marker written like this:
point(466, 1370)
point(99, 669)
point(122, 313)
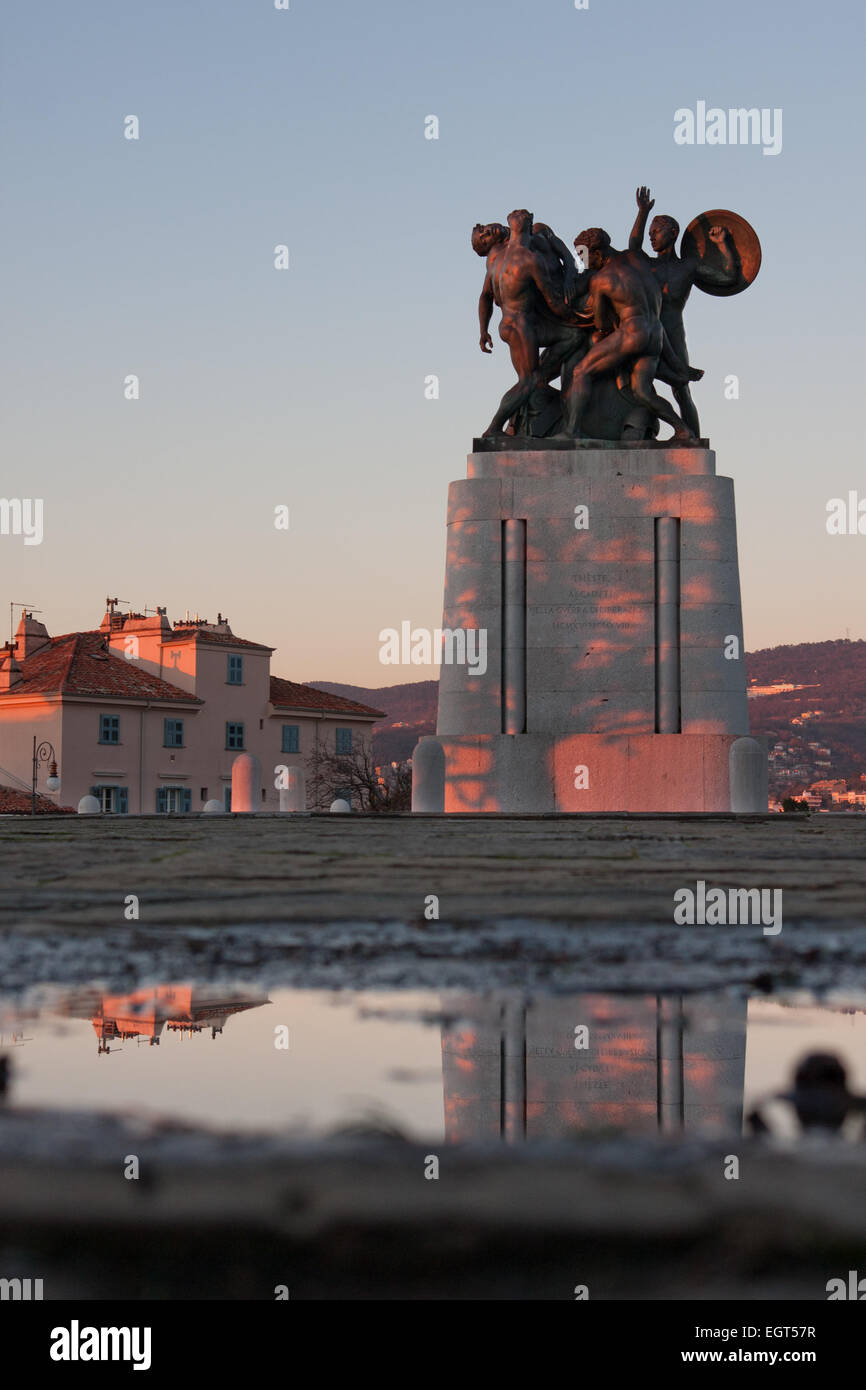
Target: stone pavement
point(569, 902)
point(600, 869)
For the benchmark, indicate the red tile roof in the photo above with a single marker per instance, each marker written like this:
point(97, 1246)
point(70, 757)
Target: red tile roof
point(15, 802)
point(290, 695)
point(78, 664)
point(215, 639)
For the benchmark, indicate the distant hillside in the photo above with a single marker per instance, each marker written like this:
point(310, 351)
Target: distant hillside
point(411, 711)
point(833, 672)
point(831, 709)
point(841, 664)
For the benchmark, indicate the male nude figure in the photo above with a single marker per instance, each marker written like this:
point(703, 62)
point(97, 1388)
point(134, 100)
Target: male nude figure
point(675, 276)
point(535, 312)
point(489, 240)
point(629, 338)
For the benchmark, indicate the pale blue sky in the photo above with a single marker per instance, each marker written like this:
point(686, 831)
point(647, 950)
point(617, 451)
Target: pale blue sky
point(306, 387)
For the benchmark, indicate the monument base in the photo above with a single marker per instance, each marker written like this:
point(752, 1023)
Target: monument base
point(540, 773)
point(594, 654)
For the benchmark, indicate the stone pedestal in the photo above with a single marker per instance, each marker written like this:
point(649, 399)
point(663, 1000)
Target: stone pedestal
point(605, 578)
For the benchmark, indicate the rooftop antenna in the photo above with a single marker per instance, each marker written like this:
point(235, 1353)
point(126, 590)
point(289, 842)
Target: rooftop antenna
point(111, 604)
point(28, 608)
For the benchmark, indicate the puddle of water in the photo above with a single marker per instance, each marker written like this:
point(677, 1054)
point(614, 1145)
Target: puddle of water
point(452, 1067)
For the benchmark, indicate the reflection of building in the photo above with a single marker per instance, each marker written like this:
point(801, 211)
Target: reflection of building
point(184, 1009)
point(650, 1062)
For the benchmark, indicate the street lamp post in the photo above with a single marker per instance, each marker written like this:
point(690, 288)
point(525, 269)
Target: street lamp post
point(44, 753)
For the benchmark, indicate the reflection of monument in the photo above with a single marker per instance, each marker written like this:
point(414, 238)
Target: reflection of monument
point(663, 1062)
point(600, 563)
point(180, 1008)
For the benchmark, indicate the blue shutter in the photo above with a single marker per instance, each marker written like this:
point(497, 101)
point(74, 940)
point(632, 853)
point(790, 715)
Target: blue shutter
point(123, 800)
point(235, 672)
point(160, 798)
point(187, 799)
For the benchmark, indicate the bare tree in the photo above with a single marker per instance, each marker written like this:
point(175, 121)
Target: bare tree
point(355, 778)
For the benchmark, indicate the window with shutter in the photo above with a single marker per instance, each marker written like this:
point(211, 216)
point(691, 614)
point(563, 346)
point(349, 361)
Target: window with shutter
point(235, 670)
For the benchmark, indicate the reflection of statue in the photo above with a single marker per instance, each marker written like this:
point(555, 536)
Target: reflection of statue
point(576, 1064)
point(675, 276)
point(521, 280)
point(629, 337)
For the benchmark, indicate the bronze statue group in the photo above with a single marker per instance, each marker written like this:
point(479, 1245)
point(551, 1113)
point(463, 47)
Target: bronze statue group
point(608, 330)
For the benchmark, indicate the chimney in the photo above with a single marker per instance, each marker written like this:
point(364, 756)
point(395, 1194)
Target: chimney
point(30, 637)
point(10, 671)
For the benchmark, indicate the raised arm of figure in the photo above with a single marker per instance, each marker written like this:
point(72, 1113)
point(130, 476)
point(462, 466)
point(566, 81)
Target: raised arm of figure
point(644, 205)
point(730, 272)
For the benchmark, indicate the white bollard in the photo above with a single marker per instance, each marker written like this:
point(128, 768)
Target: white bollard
point(89, 806)
point(293, 797)
point(339, 807)
point(428, 776)
point(246, 784)
point(748, 772)
point(213, 808)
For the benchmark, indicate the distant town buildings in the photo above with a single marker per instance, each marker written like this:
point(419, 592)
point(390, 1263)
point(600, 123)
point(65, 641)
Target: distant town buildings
point(798, 769)
point(147, 716)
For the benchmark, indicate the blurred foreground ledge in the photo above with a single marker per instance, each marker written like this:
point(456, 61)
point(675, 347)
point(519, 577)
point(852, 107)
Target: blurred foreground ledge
point(355, 1217)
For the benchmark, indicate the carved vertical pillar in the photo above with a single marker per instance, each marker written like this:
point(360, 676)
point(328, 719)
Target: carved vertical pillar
point(513, 627)
point(667, 624)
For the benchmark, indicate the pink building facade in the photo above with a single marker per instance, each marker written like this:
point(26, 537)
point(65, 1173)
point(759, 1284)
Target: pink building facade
point(149, 717)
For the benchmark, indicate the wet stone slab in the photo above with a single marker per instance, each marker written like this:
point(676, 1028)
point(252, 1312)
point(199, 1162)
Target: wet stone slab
point(559, 902)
